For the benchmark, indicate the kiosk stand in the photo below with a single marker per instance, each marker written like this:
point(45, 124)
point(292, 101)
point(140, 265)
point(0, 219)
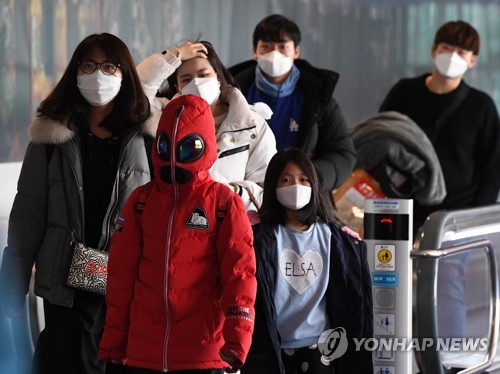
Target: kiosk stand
point(388, 235)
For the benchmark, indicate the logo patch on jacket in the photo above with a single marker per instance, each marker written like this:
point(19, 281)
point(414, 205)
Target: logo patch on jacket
point(120, 222)
point(197, 220)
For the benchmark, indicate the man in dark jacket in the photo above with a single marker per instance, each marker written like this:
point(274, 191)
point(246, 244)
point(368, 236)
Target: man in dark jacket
point(463, 125)
point(461, 121)
point(305, 115)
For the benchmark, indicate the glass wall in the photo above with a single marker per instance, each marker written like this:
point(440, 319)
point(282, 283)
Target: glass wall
point(371, 43)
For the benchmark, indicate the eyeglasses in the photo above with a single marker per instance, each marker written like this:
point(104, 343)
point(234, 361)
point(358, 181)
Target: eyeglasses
point(107, 67)
point(189, 149)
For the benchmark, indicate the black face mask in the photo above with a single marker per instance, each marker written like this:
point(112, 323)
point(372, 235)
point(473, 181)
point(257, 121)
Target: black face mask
point(182, 176)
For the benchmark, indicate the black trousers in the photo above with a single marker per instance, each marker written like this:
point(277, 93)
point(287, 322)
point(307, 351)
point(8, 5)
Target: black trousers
point(69, 343)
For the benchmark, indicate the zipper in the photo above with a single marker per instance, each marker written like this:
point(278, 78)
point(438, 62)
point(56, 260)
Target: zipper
point(107, 217)
point(79, 188)
point(169, 232)
point(114, 202)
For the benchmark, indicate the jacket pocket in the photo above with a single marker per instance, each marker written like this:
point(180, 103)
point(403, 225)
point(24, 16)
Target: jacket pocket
point(53, 258)
point(233, 151)
point(236, 141)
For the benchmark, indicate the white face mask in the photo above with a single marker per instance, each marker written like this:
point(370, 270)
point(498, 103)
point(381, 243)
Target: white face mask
point(206, 88)
point(294, 197)
point(451, 65)
point(274, 63)
point(98, 88)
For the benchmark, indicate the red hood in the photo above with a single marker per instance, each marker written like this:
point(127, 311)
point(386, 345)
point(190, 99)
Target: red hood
point(183, 116)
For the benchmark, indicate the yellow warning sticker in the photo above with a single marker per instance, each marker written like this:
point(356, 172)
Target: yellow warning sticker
point(385, 257)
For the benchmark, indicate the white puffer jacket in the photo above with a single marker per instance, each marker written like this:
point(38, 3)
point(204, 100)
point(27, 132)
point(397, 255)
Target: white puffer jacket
point(245, 143)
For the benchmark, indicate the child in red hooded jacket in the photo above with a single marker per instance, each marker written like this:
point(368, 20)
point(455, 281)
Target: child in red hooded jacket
point(181, 282)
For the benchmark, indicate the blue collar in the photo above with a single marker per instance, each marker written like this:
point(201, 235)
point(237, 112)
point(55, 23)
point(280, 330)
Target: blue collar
point(277, 90)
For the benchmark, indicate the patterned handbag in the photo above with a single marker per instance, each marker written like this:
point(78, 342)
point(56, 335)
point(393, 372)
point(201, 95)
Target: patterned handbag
point(88, 270)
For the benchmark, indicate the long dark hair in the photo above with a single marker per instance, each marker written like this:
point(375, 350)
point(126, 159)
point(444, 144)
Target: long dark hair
point(225, 77)
point(272, 212)
point(65, 102)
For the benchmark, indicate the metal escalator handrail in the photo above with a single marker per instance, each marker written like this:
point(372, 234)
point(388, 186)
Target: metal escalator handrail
point(435, 255)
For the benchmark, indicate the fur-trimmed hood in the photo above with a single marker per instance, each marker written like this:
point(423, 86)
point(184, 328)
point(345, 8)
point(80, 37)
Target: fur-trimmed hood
point(47, 131)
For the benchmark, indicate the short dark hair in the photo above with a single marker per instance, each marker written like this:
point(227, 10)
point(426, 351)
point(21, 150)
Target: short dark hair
point(275, 28)
point(66, 103)
point(459, 34)
point(272, 212)
point(225, 77)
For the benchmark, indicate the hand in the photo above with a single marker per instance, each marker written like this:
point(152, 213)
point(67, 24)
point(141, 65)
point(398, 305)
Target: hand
point(119, 358)
point(234, 363)
point(190, 50)
point(121, 362)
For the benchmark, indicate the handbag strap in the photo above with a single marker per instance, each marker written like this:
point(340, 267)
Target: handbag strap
point(252, 198)
point(459, 98)
point(66, 199)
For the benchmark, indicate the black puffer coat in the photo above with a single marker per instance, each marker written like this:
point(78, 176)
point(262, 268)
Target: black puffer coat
point(323, 132)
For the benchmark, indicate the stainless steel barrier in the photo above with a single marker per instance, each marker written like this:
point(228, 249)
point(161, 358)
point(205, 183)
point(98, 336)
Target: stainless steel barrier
point(446, 234)
point(427, 287)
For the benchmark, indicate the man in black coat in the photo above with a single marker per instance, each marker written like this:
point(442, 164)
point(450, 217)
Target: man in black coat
point(461, 122)
point(305, 115)
point(463, 125)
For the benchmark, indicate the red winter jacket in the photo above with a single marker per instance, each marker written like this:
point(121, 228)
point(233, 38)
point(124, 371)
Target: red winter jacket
point(181, 285)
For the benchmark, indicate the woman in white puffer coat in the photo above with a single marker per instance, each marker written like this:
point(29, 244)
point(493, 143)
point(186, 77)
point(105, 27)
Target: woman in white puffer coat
point(245, 143)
